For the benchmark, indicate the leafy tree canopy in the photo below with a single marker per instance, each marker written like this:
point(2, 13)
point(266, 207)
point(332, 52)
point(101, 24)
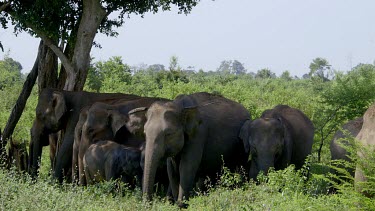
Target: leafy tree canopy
point(59, 18)
point(68, 28)
point(320, 68)
point(10, 72)
point(231, 67)
point(286, 75)
point(265, 73)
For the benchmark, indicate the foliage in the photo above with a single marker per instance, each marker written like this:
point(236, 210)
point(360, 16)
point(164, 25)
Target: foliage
point(231, 67)
point(111, 75)
point(265, 73)
point(11, 80)
point(320, 69)
point(286, 75)
point(10, 73)
point(346, 97)
point(59, 18)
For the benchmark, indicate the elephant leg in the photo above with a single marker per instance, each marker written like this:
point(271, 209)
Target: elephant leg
point(89, 177)
point(64, 158)
point(189, 164)
point(75, 171)
point(81, 172)
point(173, 176)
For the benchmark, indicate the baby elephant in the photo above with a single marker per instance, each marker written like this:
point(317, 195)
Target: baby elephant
point(106, 160)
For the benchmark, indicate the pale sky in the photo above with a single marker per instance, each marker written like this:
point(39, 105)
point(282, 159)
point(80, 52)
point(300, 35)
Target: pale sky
point(278, 34)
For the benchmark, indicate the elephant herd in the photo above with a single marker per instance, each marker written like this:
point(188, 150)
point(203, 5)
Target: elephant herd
point(175, 143)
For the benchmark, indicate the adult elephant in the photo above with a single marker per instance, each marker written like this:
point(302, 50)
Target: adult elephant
point(366, 137)
point(338, 152)
point(59, 110)
point(198, 132)
point(108, 121)
point(281, 136)
point(108, 160)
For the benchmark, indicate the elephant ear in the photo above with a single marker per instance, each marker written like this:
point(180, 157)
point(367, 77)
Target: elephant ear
point(190, 119)
point(288, 142)
point(117, 121)
point(137, 120)
point(245, 135)
point(59, 104)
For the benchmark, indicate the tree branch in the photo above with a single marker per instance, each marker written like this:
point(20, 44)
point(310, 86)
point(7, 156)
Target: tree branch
point(4, 6)
point(59, 53)
point(49, 42)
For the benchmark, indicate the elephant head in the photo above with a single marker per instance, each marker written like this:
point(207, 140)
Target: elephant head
point(17, 155)
point(105, 122)
point(265, 140)
point(168, 127)
point(49, 118)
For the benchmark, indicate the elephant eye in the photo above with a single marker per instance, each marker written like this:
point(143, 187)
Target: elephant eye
point(90, 130)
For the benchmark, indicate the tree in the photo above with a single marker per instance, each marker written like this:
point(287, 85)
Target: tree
point(231, 67)
point(156, 67)
point(68, 28)
point(265, 73)
point(175, 71)
point(320, 68)
point(10, 72)
point(286, 75)
point(115, 73)
point(109, 76)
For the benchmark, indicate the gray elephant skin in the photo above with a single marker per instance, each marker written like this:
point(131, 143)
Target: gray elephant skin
point(338, 152)
point(108, 121)
point(198, 132)
point(108, 160)
point(59, 110)
point(366, 137)
point(280, 137)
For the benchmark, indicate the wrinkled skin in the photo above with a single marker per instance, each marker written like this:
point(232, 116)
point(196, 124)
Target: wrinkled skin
point(108, 121)
point(59, 110)
point(366, 137)
point(108, 160)
point(280, 137)
point(337, 151)
point(196, 133)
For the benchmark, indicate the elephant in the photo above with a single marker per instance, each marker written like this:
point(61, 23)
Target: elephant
point(197, 133)
point(337, 151)
point(59, 110)
point(281, 136)
point(366, 137)
point(17, 155)
point(108, 160)
point(108, 121)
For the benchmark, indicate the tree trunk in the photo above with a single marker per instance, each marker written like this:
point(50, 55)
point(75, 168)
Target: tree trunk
point(47, 70)
point(92, 16)
point(21, 102)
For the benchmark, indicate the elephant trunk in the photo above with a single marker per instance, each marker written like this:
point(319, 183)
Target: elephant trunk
point(35, 149)
point(150, 166)
point(260, 165)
